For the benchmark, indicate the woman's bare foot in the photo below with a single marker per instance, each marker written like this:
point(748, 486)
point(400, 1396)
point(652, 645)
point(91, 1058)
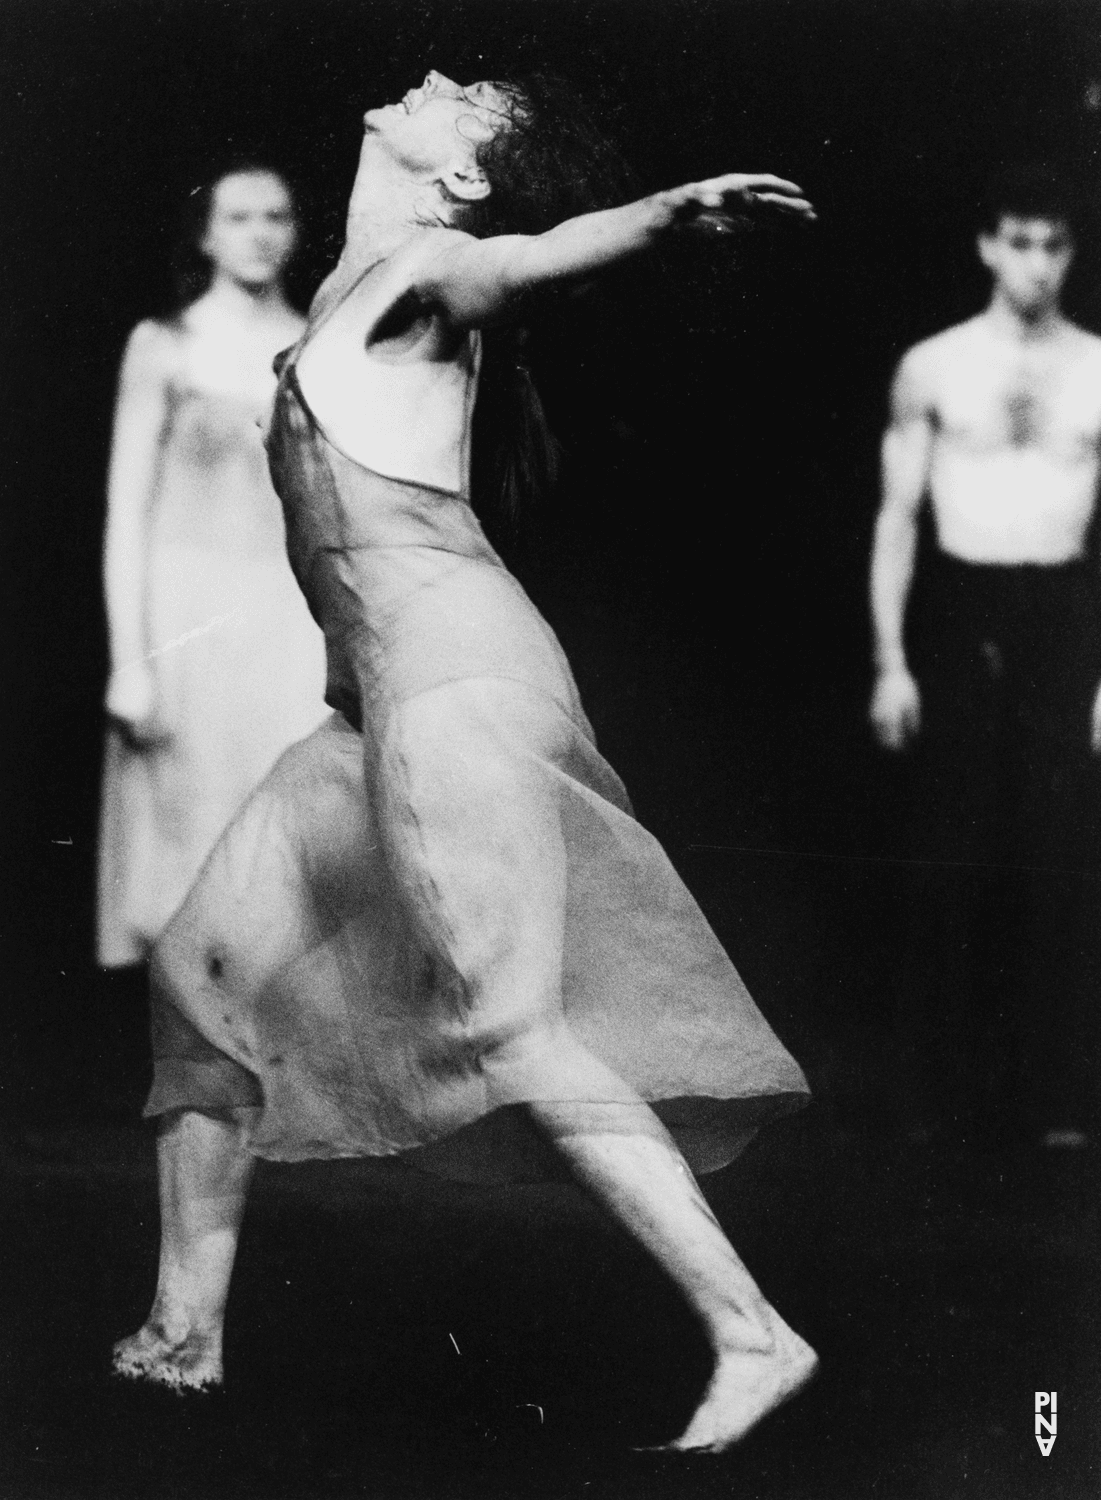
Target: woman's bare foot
point(192, 1362)
point(745, 1386)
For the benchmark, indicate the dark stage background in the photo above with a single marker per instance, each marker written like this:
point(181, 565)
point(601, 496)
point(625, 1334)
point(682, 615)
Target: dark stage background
point(704, 562)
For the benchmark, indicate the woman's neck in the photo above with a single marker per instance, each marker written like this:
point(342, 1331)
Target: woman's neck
point(388, 206)
point(245, 302)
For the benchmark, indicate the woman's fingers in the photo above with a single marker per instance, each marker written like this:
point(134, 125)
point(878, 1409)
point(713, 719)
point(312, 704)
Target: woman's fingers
point(754, 182)
point(731, 184)
point(754, 190)
point(727, 203)
point(725, 220)
point(786, 205)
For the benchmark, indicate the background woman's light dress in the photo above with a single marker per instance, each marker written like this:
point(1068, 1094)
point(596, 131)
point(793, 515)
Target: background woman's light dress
point(237, 660)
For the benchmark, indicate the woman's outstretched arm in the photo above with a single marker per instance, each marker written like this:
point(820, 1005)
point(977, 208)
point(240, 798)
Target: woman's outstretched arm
point(140, 415)
point(477, 281)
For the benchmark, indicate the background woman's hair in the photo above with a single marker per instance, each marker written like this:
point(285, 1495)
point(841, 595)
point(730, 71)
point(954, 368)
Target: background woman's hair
point(191, 269)
point(549, 163)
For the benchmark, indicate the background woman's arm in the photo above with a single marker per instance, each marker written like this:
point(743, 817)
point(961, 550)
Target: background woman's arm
point(141, 413)
point(479, 281)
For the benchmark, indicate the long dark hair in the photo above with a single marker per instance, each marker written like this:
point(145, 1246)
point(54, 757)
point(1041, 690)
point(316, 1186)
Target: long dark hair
point(191, 268)
point(550, 162)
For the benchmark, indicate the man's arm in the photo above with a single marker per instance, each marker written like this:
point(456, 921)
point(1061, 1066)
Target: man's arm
point(907, 452)
point(478, 281)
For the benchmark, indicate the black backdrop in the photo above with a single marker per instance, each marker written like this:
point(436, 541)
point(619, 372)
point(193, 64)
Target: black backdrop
point(704, 560)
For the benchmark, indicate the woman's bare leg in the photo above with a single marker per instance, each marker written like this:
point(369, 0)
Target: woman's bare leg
point(483, 808)
point(204, 1171)
point(620, 1151)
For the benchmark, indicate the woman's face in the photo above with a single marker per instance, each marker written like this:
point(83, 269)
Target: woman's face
point(438, 123)
point(251, 232)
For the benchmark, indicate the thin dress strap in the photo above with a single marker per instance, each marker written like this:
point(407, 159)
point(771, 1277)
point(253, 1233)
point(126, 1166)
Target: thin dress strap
point(289, 357)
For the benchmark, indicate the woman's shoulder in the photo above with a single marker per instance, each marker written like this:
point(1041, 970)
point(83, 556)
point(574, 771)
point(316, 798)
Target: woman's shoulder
point(434, 252)
point(401, 291)
point(389, 274)
point(364, 293)
point(152, 358)
point(154, 346)
point(430, 243)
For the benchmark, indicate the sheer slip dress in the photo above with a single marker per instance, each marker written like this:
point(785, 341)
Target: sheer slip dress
point(444, 883)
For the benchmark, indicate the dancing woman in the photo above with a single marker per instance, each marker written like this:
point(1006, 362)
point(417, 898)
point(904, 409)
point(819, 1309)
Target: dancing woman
point(216, 666)
point(436, 928)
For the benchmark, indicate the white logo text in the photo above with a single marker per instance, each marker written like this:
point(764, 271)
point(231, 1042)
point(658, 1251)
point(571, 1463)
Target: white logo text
point(1046, 1401)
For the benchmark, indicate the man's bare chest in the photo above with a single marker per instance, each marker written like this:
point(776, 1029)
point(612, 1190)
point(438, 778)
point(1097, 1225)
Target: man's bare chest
point(1033, 402)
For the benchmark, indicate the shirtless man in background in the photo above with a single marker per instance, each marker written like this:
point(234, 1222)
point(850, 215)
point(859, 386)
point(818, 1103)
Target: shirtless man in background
point(997, 421)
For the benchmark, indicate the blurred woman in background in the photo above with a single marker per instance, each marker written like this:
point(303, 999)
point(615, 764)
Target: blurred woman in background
point(216, 665)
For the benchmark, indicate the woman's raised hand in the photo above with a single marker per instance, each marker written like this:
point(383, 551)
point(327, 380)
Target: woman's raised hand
point(722, 204)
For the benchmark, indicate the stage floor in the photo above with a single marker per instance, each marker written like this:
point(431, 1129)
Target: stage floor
point(396, 1336)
